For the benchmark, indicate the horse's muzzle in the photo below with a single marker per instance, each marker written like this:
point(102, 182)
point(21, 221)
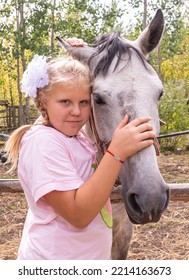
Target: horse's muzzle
point(142, 211)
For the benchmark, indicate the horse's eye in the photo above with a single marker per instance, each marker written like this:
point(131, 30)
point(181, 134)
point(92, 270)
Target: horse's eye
point(161, 94)
point(98, 100)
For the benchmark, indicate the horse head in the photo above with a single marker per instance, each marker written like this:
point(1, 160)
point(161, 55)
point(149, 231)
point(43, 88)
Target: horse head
point(125, 83)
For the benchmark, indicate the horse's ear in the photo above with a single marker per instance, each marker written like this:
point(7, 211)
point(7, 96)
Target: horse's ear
point(151, 36)
point(81, 53)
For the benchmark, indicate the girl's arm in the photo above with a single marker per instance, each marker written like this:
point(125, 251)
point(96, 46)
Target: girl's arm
point(80, 206)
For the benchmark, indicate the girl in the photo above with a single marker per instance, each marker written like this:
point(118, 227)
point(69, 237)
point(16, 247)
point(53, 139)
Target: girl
point(69, 215)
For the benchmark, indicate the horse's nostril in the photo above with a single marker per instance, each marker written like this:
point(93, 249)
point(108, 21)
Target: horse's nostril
point(133, 204)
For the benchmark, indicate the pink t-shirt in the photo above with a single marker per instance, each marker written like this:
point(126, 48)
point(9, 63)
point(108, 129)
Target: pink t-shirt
point(50, 161)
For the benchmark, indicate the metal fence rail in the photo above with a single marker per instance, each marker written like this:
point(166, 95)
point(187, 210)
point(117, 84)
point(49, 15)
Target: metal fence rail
point(173, 134)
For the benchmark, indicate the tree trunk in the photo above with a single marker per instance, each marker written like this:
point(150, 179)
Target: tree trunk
point(159, 61)
point(52, 26)
point(10, 89)
point(20, 57)
point(144, 24)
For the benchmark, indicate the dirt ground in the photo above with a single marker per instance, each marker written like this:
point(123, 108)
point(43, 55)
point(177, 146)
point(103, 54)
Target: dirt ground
point(168, 239)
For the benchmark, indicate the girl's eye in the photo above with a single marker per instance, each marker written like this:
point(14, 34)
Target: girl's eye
point(65, 101)
point(84, 102)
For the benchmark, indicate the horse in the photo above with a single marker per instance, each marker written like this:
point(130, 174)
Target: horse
point(124, 82)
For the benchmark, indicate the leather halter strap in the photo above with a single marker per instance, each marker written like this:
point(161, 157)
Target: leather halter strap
point(96, 136)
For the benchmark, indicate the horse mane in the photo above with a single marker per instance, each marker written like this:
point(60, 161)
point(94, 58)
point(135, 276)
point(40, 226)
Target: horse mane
point(113, 45)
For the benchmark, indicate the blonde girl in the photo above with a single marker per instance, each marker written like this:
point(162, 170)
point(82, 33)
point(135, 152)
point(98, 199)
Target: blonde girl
point(69, 212)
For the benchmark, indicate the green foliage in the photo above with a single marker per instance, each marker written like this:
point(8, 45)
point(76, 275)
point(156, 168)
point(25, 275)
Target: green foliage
point(174, 110)
point(174, 106)
point(173, 14)
point(28, 27)
point(82, 20)
point(177, 68)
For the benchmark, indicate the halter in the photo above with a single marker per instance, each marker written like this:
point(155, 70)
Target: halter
point(103, 146)
point(100, 145)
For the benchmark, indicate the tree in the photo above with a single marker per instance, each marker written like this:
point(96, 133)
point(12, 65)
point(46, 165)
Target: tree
point(19, 50)
point(172, 11)
point(144, 23)
point(30, 26)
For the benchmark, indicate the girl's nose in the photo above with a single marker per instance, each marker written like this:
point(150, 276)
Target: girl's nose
point(75, 110)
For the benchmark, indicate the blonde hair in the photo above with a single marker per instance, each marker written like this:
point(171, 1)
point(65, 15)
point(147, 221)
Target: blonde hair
point(64, 70)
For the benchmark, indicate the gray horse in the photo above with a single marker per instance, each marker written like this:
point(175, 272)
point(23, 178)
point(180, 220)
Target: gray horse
point(125, 83)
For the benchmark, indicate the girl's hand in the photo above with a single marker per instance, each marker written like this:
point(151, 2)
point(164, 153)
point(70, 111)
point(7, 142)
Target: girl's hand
point(132, 137)
point(76, 42)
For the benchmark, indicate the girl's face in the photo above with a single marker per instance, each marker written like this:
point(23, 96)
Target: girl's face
point(68, 107)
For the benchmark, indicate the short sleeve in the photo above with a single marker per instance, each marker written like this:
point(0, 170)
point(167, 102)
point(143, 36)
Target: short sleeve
point(51, 167)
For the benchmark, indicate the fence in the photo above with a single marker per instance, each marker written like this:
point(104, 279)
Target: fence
point(12, 117)
point(3, 114)
point(178, 192)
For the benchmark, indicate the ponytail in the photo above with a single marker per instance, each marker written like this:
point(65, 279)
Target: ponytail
point(12, 146)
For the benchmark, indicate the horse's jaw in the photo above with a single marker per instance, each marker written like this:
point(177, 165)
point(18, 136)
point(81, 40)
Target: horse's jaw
point(145, 195)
